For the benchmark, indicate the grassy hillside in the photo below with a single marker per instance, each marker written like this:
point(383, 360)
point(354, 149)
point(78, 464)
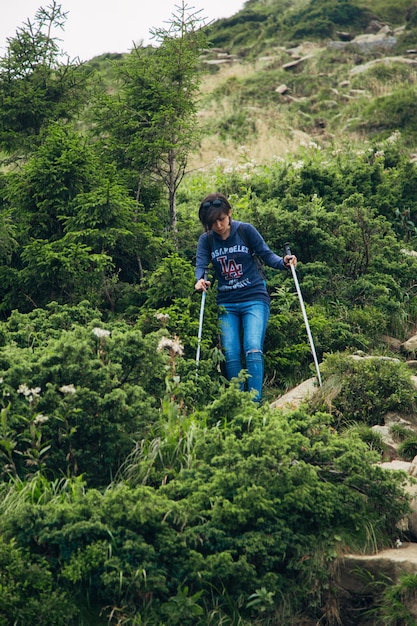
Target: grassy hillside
point(280, 74)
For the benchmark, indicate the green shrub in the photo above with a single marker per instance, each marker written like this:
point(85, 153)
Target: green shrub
point(320, 18)
point(79, 395)
point(396, 602)
point(393, 112)
point(258, 511)
point(364, 389)
point(28, 591)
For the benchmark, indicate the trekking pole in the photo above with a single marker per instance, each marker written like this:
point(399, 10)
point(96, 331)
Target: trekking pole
point(200, 326)
point(287, 251)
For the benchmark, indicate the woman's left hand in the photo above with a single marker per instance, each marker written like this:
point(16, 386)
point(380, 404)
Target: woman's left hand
point(290, 259)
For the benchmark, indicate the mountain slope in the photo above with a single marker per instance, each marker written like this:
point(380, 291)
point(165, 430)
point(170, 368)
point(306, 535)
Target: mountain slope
point(271, 83)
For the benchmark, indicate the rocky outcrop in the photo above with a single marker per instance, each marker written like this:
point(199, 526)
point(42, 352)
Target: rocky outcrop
point(365, 575)
point(368, 43)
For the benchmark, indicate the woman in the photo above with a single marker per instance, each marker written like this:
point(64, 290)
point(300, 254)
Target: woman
point(242, 296)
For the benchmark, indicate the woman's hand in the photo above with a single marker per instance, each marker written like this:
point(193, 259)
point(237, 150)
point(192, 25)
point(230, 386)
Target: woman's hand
point(290, 259)
point(202, 285)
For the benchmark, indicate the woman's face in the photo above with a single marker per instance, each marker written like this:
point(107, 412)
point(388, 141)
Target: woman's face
point(221, 225)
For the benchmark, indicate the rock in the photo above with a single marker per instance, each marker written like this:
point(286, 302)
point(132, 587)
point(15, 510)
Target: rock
point(408, 252)
point(267, 59)
point(409, 523)
point(411, 519)
point(337, 45)
point(373, 357)
point(385, 30)
point(410, 345)
point(217, 61)
point(344, 36)
point(293, 64)
point(403, 466)
point(392, 343)
point(366, 44)
point(359, 573)
point(282, 89)
point(374, 27)
point(296, 396)
point(391, 446)
point(391, 420)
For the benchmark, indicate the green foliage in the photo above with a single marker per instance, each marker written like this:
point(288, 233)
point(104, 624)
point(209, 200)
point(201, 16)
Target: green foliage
point(36, 87)
point(392, 112)
point(372, 438)
point(150, 124)
point(396, 601)
point(77, 231)
point(257, 510)
point(363, 389)
point(320, 18)
point(386, 11)
point(70, 271)
point(407, 449)
point(84, 393)
point(48, 182)
point(174, 278)
point(28, 593)
point(235, 127)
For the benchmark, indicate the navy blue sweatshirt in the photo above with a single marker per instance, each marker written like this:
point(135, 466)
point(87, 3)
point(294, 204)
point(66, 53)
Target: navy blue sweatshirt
point(238, 278)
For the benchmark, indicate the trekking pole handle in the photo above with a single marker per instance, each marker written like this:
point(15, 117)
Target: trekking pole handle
point(205, 276)
point(287, 249)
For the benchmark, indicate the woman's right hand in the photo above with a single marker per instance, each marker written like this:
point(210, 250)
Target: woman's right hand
point(202, 285)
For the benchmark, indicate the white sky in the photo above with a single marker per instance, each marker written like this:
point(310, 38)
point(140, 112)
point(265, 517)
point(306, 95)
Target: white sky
point(94, 27)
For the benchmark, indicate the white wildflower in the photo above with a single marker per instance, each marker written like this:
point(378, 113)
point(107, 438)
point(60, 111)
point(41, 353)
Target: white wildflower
point(174, 345)
point(40, 419)
point(100, 332)
point(162, 317)
point(165, 342)
point(67, 389)
point(298, 165)
point(396, 136)
point(177, 347)
point(220, 161)
point(29, 393)
point(23, 389)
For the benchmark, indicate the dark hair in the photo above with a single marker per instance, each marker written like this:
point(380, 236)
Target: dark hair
point(211, 207)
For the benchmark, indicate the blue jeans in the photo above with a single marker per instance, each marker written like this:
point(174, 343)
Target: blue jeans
point(243, 325)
